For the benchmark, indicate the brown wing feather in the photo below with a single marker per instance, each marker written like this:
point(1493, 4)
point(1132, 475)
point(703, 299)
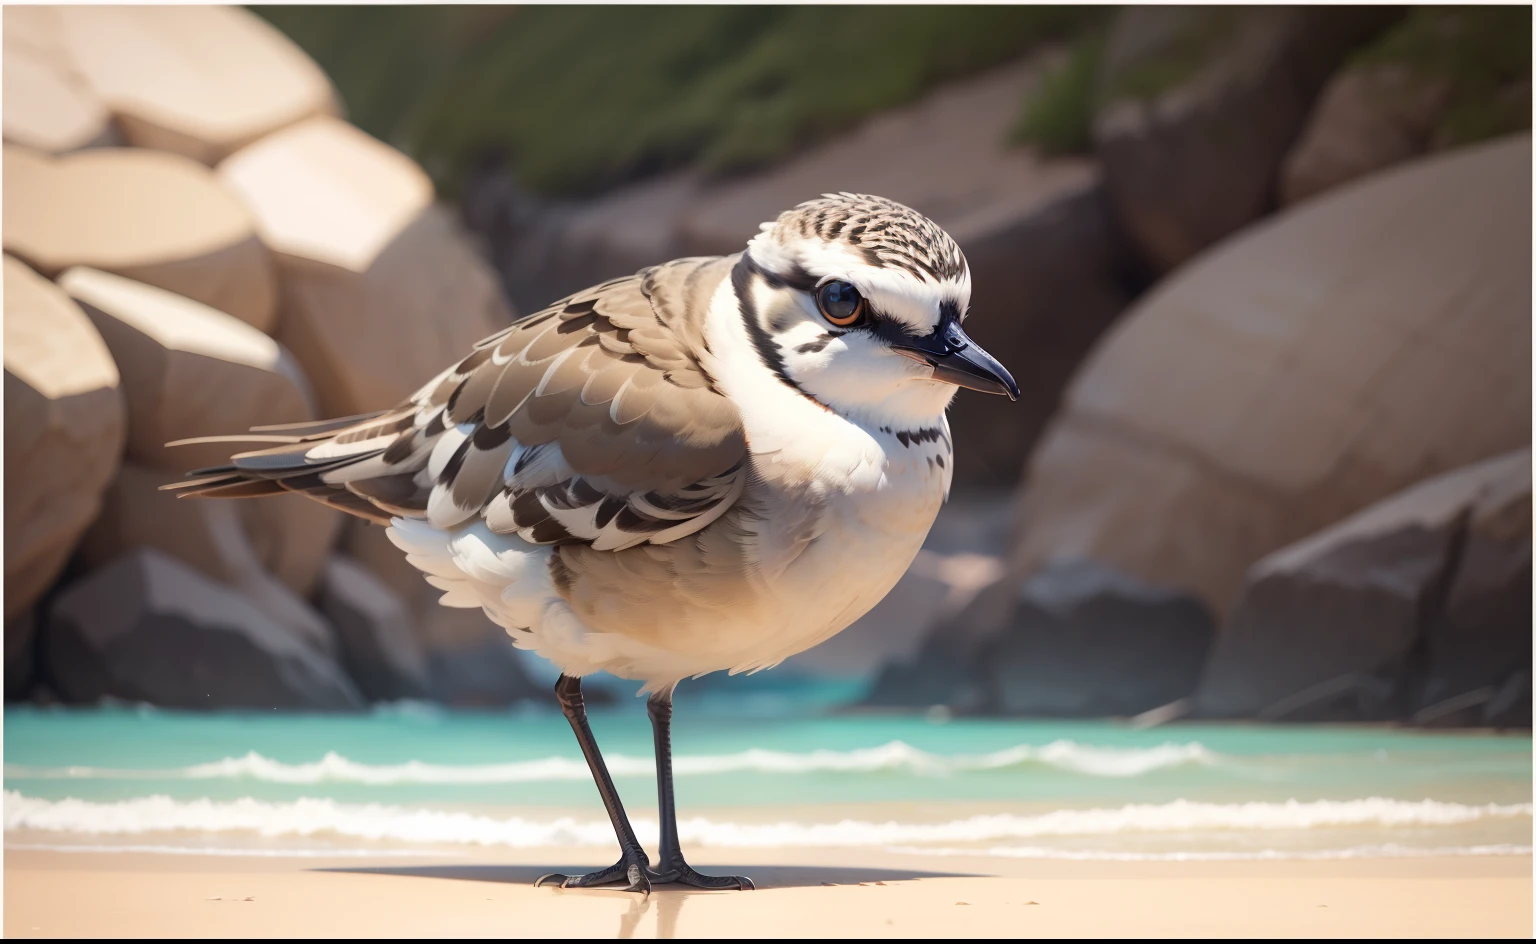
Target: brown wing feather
point(592, 421)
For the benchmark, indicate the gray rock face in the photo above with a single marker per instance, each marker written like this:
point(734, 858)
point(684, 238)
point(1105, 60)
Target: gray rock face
point(20, 654)
point(1201, 105)
point(1302, 370)
point(1076, 640)
point(1418, 607)
point(149, 628)
point(1367, 119)
point(486, 672)
point(373, 632)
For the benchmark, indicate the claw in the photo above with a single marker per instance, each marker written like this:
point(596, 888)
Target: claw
point(684, 874)
point(622, 871)
point(638, 882)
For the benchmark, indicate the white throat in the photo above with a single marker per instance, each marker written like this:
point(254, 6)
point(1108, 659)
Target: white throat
point(799, 440)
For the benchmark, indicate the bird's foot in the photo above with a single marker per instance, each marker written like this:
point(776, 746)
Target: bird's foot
point(633, 869)
point(679, 872)
point(641, 877)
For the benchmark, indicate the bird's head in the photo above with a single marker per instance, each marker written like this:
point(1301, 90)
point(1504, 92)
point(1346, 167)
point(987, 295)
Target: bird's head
point(858, 302)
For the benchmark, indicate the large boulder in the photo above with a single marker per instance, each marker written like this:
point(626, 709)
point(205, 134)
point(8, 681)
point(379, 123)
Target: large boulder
point(202, 81)
point(1076, 640)
point(1036, 232)
point(1368, 118)
point(380, 292)
point(1443, 77)
point(148, 628)
point(373, 629)
point(188, 370)
point(471, 661)
point(156, 218)
point(1198, 107)
point(1416, 607)
point(64, 430)
point(47, 106)
point(214, 537)
point(1297, 373)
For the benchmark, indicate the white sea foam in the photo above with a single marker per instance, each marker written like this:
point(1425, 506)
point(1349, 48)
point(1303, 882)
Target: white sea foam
point(312, 817)
point(895, 756)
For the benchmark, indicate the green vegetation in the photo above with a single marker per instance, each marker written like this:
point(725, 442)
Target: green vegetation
point(1482, 53)
point(1058, 115)
point(581, 98)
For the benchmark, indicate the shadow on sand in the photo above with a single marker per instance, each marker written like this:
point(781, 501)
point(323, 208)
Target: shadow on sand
point(763, 876)
point(667, 900)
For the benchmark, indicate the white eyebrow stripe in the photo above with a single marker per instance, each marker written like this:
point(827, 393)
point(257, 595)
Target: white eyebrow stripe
point(893, 290)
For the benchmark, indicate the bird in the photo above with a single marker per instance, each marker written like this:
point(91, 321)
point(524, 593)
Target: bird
point(710, 465)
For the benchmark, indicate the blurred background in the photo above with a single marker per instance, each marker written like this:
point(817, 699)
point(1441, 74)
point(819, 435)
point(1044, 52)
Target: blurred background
point(1263, 275)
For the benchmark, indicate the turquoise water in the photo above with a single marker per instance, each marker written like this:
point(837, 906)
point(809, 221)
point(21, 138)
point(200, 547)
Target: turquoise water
point(409, 775)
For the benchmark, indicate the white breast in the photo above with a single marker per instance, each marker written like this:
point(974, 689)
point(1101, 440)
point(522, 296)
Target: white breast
point(865, 540)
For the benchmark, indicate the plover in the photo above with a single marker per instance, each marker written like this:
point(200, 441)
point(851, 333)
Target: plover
point(710, 465)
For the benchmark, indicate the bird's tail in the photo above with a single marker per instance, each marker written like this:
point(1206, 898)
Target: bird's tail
point(317, 459)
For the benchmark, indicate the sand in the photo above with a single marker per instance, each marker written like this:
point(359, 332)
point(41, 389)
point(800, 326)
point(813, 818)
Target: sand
point(802, 893)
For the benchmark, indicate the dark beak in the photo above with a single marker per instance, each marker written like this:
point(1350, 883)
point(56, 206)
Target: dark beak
point(954, 358)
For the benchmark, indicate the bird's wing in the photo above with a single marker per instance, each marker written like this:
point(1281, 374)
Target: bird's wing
point(591, 421)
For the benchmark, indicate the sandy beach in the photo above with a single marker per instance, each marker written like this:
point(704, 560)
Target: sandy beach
point(803, 893)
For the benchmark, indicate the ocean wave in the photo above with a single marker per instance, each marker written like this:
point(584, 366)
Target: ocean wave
point(311, 817)
point(896, 756)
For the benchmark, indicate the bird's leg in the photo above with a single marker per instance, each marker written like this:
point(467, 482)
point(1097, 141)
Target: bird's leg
point(670, 867)
point(633, 863)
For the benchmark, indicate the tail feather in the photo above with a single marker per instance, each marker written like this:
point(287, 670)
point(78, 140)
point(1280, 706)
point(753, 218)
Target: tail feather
point(317, 428)
point(296, 459)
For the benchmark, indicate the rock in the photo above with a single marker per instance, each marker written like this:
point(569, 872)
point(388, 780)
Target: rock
point(292, 536)
point(1295, 374)
point(1402, 610)
point(156, 218)
point(148, 628)
point(1198, 107)
point(1368, 118)
point(188, 370)
point(64, 430)
point(35, 28)
point(1442, 77)
point(213, 537)
point(1076, 640)
point(20, 655)
point(1479, 650)
point(1036, 232)
point(373, 628)
point(471, 661)
point(201, 81)
point(379, 290)
point(47, 106)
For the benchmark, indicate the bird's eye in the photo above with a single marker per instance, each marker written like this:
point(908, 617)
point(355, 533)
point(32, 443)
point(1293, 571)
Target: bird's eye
point(840, 303)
